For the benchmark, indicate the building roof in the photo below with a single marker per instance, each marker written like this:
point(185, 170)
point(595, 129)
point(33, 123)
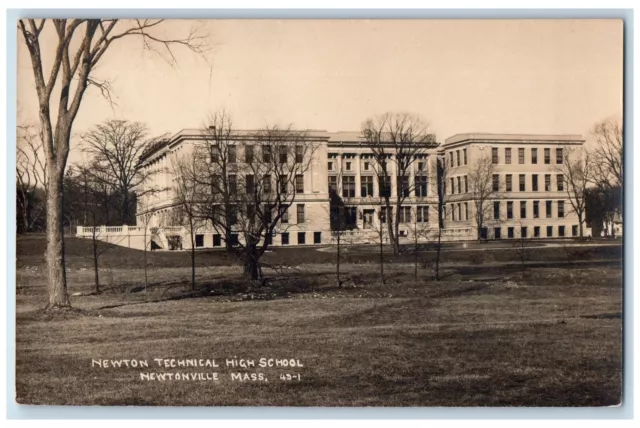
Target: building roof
point(521, 138)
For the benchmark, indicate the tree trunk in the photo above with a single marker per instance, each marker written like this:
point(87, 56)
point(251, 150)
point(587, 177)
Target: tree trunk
point(25, 215)
point(381, 258)
point(580, 226)
point(56, 273)
point(96, 275)
point(125, 208)
point(193, 257)
point(389, 218)
point(146, 281)
point(338, 261)
point(438, 254)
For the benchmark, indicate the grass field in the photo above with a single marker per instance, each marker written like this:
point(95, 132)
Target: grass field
point(484, 336)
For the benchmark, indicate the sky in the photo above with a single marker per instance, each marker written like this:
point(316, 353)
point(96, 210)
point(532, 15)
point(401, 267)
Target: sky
point(497, 76)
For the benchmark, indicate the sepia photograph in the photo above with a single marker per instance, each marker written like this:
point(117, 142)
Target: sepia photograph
point(319, 212)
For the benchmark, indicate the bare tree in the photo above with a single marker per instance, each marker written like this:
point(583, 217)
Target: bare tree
point(607, 165)
point(338, 224)
point(482, 190)
point(576, 172)
point(81, 46)
point(249, 197)
point(440, 179)
point(396, 140)
point(115, 147)
point(186, 195)
point(31, 175)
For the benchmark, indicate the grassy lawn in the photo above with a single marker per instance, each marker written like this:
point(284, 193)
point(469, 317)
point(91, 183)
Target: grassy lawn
point(484, 336)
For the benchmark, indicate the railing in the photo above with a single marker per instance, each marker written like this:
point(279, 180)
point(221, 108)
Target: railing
point(123, 230)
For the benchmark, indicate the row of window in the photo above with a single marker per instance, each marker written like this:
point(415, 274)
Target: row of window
point(495, 155)
point(460, 211)
point(522, 183)
point(284, 239)
point(250, 184)
point(368, 166)
point(228, 154)
point(348, 186)
point(524, 232)
point(458, 160)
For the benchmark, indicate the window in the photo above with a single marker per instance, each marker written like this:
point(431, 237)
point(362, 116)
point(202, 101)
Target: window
point(496, 182)
point(497, 232)
point(348, 186)
point(548, 208)
point(536, 231)
point(509, 209)
point(534, 156)
point(285, 238)
point(367, 217)
point(248, 154)
point(233, 185)
point(215, 154)
point(333, 184)
point(282, 150)
point(366, 166)
point(269, 239)
point(509, 232)
point(561, 231)
point(509, 183)
point(422, 214)
point(523, 231)
point(405, 215)
point(458, 157)
point(300, 213)
point(266, 213)
point(549, 231)
point(464, 155)
point(350, 215)
point(466, 211)
point(496, 210)
point(250, 184)
point(453, 187)
point(404, 186)
point(383, 214)
point(266, 184)
point(560, 209)
point(385, 186)
point(451, 159)
point(459, 212)
point(534, 182)
point(233, 215)
point(574, 230)
point(366, 186)
point(466, 184)
point(199, 241)
point(317, 237)
point(421, 185)
point(299, 154)
point(521, 156)
point(299, 183)
point(234, 239)
point(301, 238)
point(547, 182)
point(251, 212)
point(522, 182)
point(459, 179)
point(523, 209)
point(284, 215)
point(266, 154)
point(217, 240)
point(420, 166)
point(536, 209)
point(330, 165)
point(232, 154)
point(559, 159)
point(453, 212)
point(347, 166)
point(494, 155)
point(284, 184)
point(507, 155)
point(547, 156)
point(560, 182)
